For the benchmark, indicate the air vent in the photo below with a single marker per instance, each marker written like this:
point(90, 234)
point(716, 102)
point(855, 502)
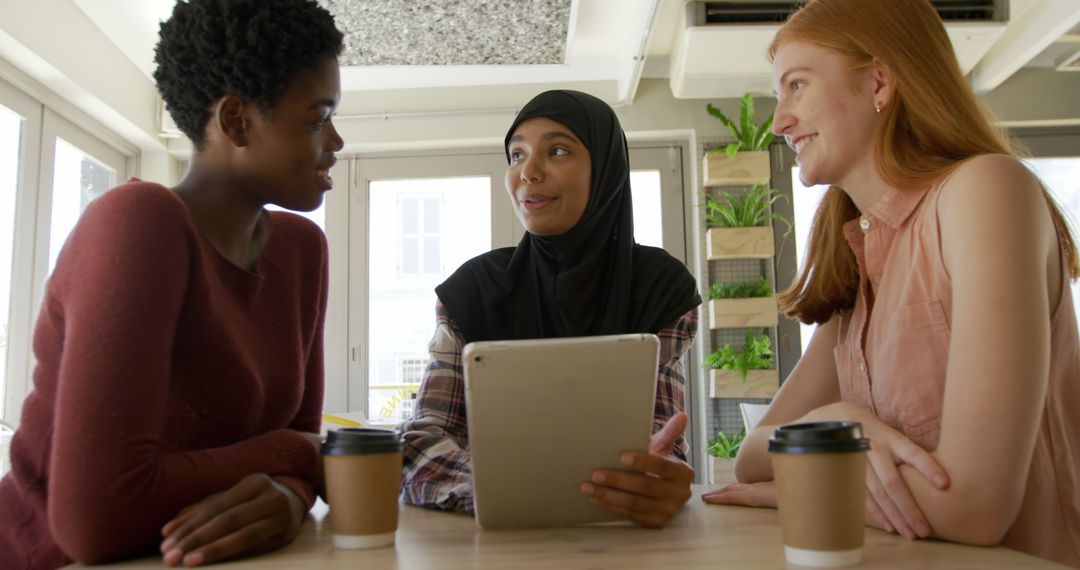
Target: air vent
point(967, 10)
point(721, 12)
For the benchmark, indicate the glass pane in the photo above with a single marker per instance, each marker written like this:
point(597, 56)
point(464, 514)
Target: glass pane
point(431, 255)
point(410, 255)
point(401, 305)
point(1062, 178)
point(431, 215)
point(10, 132)
point(805, 202)
point(645, 191)
point(409, 221)
point(77, 180)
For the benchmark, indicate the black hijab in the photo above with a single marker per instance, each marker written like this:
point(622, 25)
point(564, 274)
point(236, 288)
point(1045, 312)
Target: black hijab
point(591, 280)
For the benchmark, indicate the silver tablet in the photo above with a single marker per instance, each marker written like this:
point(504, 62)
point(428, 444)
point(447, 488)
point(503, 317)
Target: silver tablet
point(543, 414)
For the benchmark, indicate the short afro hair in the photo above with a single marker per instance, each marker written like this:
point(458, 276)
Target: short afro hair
point(248, 48)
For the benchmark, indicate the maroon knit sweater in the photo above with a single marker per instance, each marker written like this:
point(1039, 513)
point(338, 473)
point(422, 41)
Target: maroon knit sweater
point(165, 374)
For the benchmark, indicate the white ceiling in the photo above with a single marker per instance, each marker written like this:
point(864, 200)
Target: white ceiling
point(606, 41)
point(605, 38)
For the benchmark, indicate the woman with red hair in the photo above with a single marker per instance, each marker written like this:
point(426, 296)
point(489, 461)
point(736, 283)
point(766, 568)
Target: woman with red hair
point(938, 272)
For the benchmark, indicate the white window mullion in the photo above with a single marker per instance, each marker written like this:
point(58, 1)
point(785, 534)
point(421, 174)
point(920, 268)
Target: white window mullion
point(19, 361)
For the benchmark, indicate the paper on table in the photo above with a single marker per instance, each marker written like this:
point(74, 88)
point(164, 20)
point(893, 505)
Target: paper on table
point(342, 419)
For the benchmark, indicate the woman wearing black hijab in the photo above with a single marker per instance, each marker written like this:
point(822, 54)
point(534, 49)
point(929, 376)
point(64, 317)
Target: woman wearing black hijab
point(576, 272)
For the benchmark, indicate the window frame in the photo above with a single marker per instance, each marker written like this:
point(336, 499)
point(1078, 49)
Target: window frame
point(42, 127)
point(21, 315)
point(350, 387)
point(56, 128)
point(396, 166)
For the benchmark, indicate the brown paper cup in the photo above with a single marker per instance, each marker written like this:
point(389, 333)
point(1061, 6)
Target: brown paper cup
point(362, 486)
point(821, 497)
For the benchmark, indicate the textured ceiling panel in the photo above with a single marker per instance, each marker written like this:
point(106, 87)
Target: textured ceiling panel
point(452, 32)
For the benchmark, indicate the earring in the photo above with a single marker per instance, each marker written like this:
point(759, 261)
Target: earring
point(877, 107)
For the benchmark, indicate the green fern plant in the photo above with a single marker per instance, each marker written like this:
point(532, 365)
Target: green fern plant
point(725, 447)
point(749, 136)
point(740, 289)
point(756, 354)
point(753, 208)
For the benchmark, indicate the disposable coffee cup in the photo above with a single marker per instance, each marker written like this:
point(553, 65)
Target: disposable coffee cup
point(820, 473)
point(362, 467)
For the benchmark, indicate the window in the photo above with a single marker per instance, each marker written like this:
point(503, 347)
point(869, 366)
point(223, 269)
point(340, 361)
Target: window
point(10, 135)
point(656, 183)
point(645, 189)
point(408, 246)
point(50, 169)
point(805, 202)
point(412, 369)
point(412, 221)
point(419, 245)
point(77, 180)
point(83, 168)
point(1061, 175)
point(317, 215)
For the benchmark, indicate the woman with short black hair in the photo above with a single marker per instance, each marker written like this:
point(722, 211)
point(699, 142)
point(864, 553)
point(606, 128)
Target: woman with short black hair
point(178, 390)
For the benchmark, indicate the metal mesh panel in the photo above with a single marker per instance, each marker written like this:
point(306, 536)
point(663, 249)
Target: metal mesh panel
point(727, 415)
point(730, 270)
point(724, 413)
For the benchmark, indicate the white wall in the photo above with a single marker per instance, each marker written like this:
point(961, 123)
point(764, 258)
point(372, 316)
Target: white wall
point(1037, 97)
point(54, 42)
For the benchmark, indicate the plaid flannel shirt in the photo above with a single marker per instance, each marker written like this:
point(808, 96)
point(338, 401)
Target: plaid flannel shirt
point(438, 470)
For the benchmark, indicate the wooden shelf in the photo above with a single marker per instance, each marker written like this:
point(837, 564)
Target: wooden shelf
point(745, 169)
point(740, 243)
point(748, 312)
point(758, 384)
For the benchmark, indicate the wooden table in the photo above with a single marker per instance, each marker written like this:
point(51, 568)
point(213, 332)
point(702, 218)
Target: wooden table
point(701, 536)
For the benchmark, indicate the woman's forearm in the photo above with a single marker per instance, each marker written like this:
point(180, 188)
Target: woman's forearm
point(959, 513)
point(753, 464)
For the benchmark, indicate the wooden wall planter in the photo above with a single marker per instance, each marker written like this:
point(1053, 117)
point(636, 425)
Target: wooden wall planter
point(746, 168)
point(749, 312)
point(723, 470)
point(758, 384)
point(740, 243)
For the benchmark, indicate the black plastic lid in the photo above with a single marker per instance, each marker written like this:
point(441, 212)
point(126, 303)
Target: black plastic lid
point(361, 441)
point(819, 437)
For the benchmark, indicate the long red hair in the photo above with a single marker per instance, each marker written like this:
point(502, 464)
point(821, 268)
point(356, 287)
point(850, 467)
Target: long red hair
point(933, 123)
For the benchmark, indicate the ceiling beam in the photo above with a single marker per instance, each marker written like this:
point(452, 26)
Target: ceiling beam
point(1024, 38)
point(57, 45)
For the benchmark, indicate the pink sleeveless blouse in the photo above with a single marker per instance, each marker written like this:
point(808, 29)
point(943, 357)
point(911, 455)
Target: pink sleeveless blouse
point(892, 352)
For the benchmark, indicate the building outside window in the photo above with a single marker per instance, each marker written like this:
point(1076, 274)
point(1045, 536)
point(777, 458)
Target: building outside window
point(420, 242)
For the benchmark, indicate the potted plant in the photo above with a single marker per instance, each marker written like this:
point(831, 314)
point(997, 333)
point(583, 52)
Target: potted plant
point(722, 452)
point(745, 161)
point(735, 227)
point(742, 304)
point(745, 373)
